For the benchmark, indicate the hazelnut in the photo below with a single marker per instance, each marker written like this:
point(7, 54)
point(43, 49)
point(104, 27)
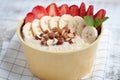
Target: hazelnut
point(60, 41)
point(51, 35)
point(46, 31)
point(44, 43)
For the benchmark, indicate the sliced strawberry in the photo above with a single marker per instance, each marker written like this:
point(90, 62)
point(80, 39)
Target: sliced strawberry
point(63, 9)
point(90, 10)
point(100, 14)
point(82, 9)
point(29, 17)
point(74, 10)
point(52, 10)
point(39, 11)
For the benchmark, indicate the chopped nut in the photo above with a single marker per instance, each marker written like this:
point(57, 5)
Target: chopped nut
point(55, 41)
point(67, 40)
point(46, 37)
point(66, 29)
point(63, 31)
point(60, 31)
point(41, 34)
point(71, 35)
point(46, 31)
point(71, 41)
point(57, 35)
point(60, 41)
point(38, 37)
point(55, 29)
point(74, 33)
point(65, 36)
point(44, 43)
point(51, 35)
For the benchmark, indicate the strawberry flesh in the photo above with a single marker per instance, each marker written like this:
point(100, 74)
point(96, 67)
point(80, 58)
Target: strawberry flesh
point(74, 10)
point(82, 9)
point(39, 11)
point(100, 14)
point(52, 10)
point(29, 17)
point(63, 9)
point(90, 10)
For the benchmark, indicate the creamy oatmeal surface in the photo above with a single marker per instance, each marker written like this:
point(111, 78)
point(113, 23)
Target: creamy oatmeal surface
point(65, 33)
point(79, 44)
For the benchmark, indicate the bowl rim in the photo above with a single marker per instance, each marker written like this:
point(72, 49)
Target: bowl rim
point(45, 51)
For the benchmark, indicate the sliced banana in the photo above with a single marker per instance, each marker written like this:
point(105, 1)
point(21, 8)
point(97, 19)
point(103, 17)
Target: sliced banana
point(79, 23)
point(27, 30)
point(89, 34)
point(44, 23)
point(36, 27)
point(54, 22)
point(67, 20)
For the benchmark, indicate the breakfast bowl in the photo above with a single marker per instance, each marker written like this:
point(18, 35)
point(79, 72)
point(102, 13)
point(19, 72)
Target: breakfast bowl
point(50, 61)
point(71, 65)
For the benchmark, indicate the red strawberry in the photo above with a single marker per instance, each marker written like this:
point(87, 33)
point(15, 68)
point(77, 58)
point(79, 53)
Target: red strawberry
point(74, 10)
point(39, 11)
point(52, 10)
point(100, 14)
point(90, 10)
point(29, 17)
point(82, 10)
point(63, 9)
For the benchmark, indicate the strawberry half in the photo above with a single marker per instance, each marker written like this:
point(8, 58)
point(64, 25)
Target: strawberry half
point(63, 9)
point(90, 10)
point(29, 17)
point(100, 14)
point(52, 10)
point(39, 11)
point(82, 9)
point(74, 10)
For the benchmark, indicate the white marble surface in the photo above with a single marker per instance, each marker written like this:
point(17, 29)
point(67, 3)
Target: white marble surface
point(11, 11)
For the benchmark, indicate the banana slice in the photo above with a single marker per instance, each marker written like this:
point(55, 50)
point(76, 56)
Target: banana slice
point(67, 20)
point(54, 22)
point(89, 34)
point(44, 23)
point(36, 27)
point(27, 31)
point(79, 23)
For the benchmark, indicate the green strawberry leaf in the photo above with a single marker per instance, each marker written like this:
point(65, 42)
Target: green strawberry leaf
point(89, 20)
point(94, 22)
point(105, 18)
point(98, 21)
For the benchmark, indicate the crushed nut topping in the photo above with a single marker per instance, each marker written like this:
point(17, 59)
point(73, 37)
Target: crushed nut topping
point(56, 36)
